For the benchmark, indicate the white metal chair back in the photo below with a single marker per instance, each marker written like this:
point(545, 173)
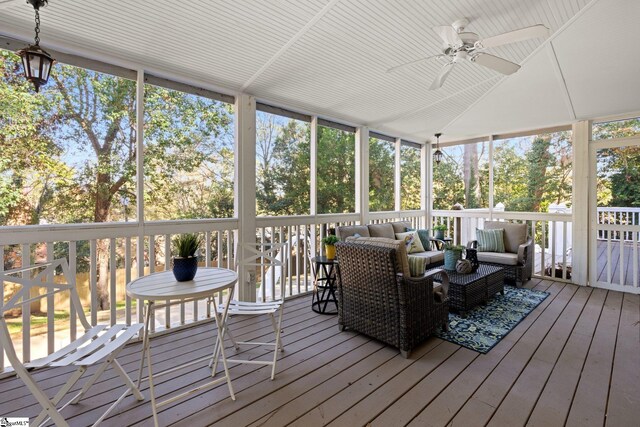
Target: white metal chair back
point(98, 346)
point(42, 279)
point(272, 256)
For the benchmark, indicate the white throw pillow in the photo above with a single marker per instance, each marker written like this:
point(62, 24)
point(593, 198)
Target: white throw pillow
point(412, 241)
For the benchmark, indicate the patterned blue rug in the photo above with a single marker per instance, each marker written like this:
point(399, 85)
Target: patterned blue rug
point(486, 325)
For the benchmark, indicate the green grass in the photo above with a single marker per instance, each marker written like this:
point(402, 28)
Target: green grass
point(15, 325)
point(121, 305)
point(40, 319)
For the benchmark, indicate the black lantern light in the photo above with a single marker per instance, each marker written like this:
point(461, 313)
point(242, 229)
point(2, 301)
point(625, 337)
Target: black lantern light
point(36, 61)
point(437, 155)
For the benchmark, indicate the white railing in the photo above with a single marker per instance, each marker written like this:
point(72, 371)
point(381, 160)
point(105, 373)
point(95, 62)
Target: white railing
point(112, 255)
point(551, 232)
point(618, 216)
point(305, 234)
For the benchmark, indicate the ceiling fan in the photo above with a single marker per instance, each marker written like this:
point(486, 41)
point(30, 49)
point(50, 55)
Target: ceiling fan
point(460, 45)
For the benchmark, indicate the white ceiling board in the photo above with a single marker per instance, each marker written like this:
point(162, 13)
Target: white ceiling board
point(600, 61)
point(434, 118)
point(366, 41)
point(330, 61)
point(224, 41)
point(529, 99)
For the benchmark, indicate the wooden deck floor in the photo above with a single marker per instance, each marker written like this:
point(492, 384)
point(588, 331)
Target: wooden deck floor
point(575, 360)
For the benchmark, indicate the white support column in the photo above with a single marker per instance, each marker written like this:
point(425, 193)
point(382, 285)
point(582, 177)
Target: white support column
point(245, 185)
point(397, 180)
point(580, 252)
point(425, 183)
point(491, 201)
point(362, 173)
point(140, 173)
point(313, 191)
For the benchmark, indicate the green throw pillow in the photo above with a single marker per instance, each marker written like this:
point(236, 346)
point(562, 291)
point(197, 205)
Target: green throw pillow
point(490, 240)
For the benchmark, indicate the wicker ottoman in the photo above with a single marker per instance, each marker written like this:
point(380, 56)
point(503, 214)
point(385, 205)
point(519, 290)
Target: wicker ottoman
point(468, 290)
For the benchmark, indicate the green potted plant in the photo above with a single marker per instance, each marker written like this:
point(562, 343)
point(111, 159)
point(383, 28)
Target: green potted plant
point(452, 253)
point(439, 231)
point(329, 246)
point(185, 261)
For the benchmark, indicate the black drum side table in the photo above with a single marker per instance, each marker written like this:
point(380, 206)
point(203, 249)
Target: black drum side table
point(324, 285)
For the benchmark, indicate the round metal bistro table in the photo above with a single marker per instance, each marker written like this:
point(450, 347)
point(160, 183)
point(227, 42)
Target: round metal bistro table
point(324, 299)
point(161, 290)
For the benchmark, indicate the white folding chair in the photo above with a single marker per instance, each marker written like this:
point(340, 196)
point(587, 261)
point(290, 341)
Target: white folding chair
point(272, 256)
point(98, 346)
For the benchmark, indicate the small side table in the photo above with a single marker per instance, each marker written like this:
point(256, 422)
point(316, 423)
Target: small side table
point(324, 285)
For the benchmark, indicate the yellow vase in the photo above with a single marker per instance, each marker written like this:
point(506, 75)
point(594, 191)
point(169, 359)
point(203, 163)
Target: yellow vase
point(330, 251)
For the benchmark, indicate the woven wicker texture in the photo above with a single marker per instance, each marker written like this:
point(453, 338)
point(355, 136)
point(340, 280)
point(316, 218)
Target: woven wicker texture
point(377, 301)
point(468, 290)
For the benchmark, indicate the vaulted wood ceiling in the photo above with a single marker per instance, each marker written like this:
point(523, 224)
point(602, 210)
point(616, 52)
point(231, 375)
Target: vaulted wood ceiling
point(329, 57)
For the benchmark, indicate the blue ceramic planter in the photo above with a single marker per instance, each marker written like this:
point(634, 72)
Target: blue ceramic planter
point(450, 259)
point(184, 269)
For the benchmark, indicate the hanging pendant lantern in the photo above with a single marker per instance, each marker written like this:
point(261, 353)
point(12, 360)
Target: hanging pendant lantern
point(36, 61)
point(437, 155)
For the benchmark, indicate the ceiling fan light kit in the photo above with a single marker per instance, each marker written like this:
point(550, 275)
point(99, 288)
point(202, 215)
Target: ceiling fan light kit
point(460, 45)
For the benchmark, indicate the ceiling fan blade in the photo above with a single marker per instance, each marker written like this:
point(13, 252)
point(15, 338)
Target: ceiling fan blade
point(527, 33)
point(448, 35)
point(444, 72)
point(498, 64)
point(392, 69)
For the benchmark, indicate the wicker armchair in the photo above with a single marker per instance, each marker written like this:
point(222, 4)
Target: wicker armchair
point(376, 300)
point(517, 260)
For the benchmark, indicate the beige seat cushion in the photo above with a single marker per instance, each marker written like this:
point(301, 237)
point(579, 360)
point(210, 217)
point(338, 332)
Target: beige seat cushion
point(382, 230)
point(398, 245)
point(432, 256)
point(349, 230)
point(400, 226)
point(498, 258)
point(514, 234)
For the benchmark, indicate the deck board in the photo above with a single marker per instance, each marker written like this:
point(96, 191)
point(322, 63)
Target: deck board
point(624, 400)
point(518, 404)
point(554, 403)
point(573, 360)
point(590, 401)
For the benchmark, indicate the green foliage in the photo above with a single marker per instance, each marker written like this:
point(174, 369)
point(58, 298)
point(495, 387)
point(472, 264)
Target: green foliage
point(440, 227)
point(452, 247)
point(185, 245)
point(529, 174)
point(336, 171)
point(283, 166)
point(381, 173)
point(448, 187)
point(410, 178)
point(330, 240)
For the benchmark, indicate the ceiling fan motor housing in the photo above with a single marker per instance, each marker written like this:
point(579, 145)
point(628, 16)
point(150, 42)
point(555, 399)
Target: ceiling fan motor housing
point(468, 43)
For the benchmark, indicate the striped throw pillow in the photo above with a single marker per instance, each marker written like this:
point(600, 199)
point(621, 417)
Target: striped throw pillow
point(417, 265)
point(490, 240)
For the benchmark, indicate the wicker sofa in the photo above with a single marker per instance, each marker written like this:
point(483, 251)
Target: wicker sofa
point(517, 259)
point(434, 255)
point(375, 299)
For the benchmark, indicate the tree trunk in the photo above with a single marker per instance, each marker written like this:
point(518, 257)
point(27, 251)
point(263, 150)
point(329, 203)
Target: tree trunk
point(470, 176)
point(103, 203)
